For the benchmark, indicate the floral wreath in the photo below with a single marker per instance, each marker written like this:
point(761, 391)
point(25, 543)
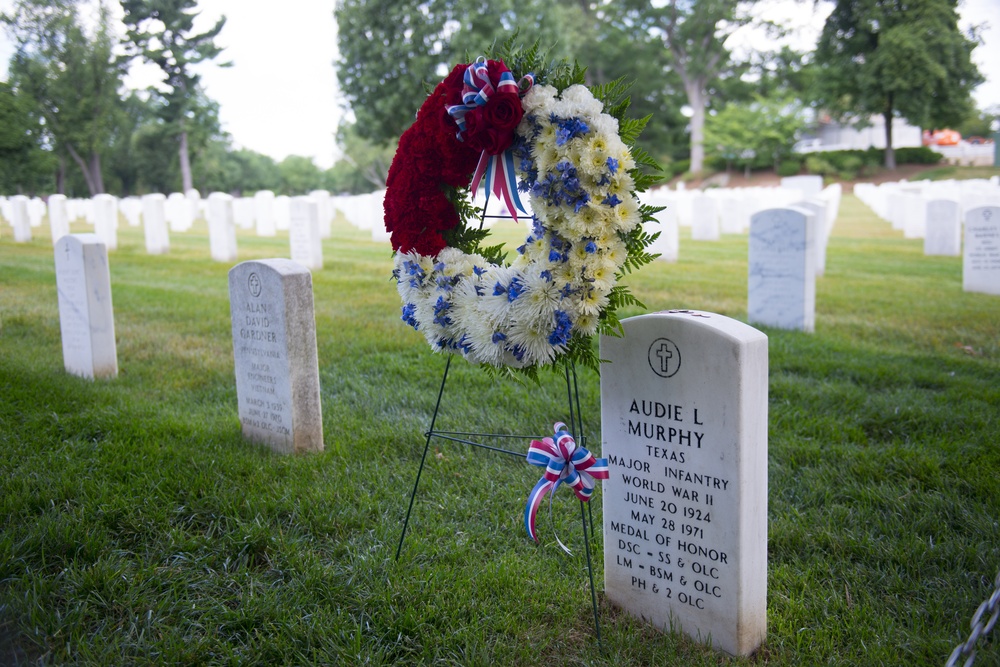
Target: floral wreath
point(571, 150)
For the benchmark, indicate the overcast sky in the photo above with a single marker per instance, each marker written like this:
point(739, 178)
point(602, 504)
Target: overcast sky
point(280, 96)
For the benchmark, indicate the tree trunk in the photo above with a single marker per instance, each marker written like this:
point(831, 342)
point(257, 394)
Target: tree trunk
point(186, 182)
point(95, 172)
point(91, 187)
point(61, 175)
point(696, 98)
point(890, 152)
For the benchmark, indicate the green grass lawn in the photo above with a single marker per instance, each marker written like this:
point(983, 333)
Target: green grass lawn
point(138, 527)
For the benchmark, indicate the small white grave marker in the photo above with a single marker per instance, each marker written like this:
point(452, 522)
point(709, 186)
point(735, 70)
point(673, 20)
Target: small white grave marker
point(105, 212)
point(21, 220)
point(154, 223)
point(684, 429)
point(943, 228)
point(274, 345)
point(86, 318)
point(58, 217)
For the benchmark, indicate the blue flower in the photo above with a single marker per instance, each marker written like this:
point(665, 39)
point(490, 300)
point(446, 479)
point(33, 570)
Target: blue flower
point(499, 336)
point(560, 334)
point(409, 315)
point(569, 128)
point(441, 309)
point(612, 165)
point(612, 200)
point(591, 247)
point(515, 290)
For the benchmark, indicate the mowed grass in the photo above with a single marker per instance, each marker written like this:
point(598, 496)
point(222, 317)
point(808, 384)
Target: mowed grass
point(138, 527)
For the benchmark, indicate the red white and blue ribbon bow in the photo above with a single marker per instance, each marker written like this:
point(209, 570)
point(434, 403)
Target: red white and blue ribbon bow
point(564, 462)
point(498, 169)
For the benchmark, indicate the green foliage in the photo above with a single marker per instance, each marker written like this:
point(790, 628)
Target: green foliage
point(789, 166)
point(849, 164)
point(25, 165)
point(757, 134)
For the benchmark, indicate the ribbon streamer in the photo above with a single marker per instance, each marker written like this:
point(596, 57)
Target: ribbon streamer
point(564, 462)
point(498, 169)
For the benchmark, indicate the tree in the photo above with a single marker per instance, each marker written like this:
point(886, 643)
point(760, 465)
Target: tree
point(694, 36)
point(902, 58)
point(25, 163)
point(299, 175)
point(162, 32)
point(759, 133)
point(73, 76)
point(369, 160)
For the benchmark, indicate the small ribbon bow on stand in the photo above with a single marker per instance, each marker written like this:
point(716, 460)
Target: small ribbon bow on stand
point(486, 119)
point(564, 462)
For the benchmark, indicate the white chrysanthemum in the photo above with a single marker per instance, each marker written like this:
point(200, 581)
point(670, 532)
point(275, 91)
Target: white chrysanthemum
point(591, 301)
point(605, 125)
point(539, 98)
point(586, 324)
point(616, 252)
point(602, 273)
point(538, 302)
point(627, 214)
point(533, 339)
point(577, 100)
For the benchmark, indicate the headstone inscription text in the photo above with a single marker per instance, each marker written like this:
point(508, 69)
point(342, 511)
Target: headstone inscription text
point(981, 261)
point(684, 429)
point(274, 346)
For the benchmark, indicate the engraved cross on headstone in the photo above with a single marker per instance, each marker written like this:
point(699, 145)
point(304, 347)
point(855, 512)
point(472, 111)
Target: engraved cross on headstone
point(665, 356)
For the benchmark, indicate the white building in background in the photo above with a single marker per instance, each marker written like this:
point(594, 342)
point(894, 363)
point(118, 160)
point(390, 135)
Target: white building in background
point(828, 135)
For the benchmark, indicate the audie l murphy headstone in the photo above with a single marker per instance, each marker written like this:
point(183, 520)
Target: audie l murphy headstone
point(86, 317)
point(274, 346)
point(684, 429)
point(781, 283)
point(981, 259)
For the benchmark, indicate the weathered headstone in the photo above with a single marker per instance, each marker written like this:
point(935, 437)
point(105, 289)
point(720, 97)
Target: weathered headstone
point(105, 212)
point(781, 287)
point(221, 231)
point(154, 224)
point(943, 233)
point(274, 345)
point(58, 217)
point(20, 220)
point(817, 209)
point(981, 260)
point(86, 318)
point(303, 233)
point(684, 429)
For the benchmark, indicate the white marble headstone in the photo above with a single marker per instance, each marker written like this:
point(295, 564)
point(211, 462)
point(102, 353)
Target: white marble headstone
point(943, 229)
point(58, 217)
point(21, 221)
point(809, 185)
point(781, 287)
point(178, 212)
point(105, 212)
point(86, 318)
point(303, 233)
point(221, 231)
point(274, 346)
point(154, 224)
point(704, 218)
point(684, 429)
point(818, 210)
point(263, 212)
point(667, 244)
point(325, 208)
point(981, 260)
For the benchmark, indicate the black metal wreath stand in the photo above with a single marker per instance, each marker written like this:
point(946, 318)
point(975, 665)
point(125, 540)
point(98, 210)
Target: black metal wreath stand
point(576, 424)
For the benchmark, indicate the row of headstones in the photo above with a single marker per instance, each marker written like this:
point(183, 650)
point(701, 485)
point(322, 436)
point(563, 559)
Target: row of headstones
point(783, 252)
point(307, 219)
point(684, 413)
point(930, 210)
point(713, 212)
